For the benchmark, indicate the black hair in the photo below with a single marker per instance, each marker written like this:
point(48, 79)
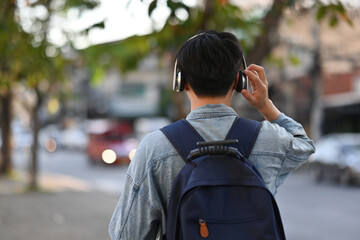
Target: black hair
point(209, 62)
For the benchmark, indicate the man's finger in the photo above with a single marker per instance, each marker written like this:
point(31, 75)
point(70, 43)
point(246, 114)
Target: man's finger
point(253, 78)
point(247, 95)
point(260, 70)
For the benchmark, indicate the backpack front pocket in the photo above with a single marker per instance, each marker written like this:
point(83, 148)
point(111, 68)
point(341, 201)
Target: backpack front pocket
point(227, 228)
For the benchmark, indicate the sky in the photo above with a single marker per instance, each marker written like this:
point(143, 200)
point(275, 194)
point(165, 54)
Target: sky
point(121, 21)
point(123, 18)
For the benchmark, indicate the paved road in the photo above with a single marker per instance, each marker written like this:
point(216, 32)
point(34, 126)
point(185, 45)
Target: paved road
point(85, 195)
point(70, 215)
point(319, 211)
point(75, 164)
point(76, 203)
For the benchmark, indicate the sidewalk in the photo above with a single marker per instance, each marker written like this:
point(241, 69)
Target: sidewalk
point(67, 209)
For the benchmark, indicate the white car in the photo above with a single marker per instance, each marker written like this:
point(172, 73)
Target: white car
point(338, 156)
point(144, 126)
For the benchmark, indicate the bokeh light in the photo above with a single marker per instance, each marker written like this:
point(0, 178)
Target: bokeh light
point(108, 156)
point(50, 144)
point(132, 154)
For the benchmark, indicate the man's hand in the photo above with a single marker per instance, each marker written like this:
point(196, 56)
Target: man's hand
point(259, 98)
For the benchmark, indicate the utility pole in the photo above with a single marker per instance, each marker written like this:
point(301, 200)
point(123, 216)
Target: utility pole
point(316, 113)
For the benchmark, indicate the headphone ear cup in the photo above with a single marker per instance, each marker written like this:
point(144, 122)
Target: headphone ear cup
point(242, 82)
point(178, 82)
point(181, 82)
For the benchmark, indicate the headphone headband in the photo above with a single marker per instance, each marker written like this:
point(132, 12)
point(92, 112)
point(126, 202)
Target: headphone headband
point(179, 81)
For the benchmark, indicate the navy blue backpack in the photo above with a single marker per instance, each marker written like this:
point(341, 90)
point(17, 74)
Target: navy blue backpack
point(219, 194)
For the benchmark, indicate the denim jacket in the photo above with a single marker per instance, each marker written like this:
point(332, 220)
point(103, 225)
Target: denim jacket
point(281, 147)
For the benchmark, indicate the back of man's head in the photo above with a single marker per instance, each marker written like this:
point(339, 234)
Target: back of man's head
point(209, 62)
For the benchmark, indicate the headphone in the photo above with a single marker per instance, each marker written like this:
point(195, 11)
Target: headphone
point(179, 81)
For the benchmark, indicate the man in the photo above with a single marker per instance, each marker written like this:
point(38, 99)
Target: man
point(209, 64)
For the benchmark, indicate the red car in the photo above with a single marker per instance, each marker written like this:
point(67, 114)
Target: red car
point(110, 142)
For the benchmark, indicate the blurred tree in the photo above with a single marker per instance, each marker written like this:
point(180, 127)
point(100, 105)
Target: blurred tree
point(256, 27)
point(11, 48)
point(29, 56)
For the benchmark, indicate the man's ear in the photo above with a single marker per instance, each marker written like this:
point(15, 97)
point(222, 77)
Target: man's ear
point(186, 86)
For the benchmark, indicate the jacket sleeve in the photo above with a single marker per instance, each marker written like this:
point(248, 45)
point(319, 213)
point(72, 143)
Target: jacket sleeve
point(300, 147)
point(281, 147)
point(135, 216)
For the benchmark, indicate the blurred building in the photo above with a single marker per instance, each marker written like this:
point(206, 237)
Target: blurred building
point(314, 72)
point(136, 94)
point(341, 77)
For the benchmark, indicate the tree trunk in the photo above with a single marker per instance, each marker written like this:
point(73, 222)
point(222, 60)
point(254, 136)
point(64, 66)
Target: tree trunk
point(7, 16)
point(208, 11)
point(33, 183)
point(6, 116)
point(263, 46)
point(269, 37)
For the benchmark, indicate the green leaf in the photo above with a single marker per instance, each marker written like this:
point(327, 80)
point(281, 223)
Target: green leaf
point(333, 21)
point(321, 12)
point(98, 75)
point(81, 4)
point(96, 25)
point(340, 7)
point(291, 3)
point(152, 6)
point(342, 12)
point(275, 61)
point(334, 11)
point(99, 25)
point(294, 60)
point(174, 5)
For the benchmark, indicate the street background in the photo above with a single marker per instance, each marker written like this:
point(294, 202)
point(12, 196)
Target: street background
point(83, 81)
point(78, 199)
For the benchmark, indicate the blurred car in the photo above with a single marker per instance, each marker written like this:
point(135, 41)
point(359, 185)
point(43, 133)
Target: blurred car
point(144, 126)
point(110, 143)
point(337, 156)
point(53, 137)
point(73, 138)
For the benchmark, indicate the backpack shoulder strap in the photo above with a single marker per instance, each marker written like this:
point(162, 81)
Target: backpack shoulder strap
point(182, 136)
point(246, 132)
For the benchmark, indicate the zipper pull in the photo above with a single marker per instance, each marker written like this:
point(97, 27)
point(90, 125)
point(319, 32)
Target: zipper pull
point(204, 231)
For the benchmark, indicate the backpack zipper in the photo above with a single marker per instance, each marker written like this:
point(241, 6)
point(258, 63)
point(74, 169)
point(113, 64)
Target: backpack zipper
point(204, 231)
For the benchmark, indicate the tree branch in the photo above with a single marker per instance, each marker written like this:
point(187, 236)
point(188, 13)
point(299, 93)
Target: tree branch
point(208, 11)
point(269, 36)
